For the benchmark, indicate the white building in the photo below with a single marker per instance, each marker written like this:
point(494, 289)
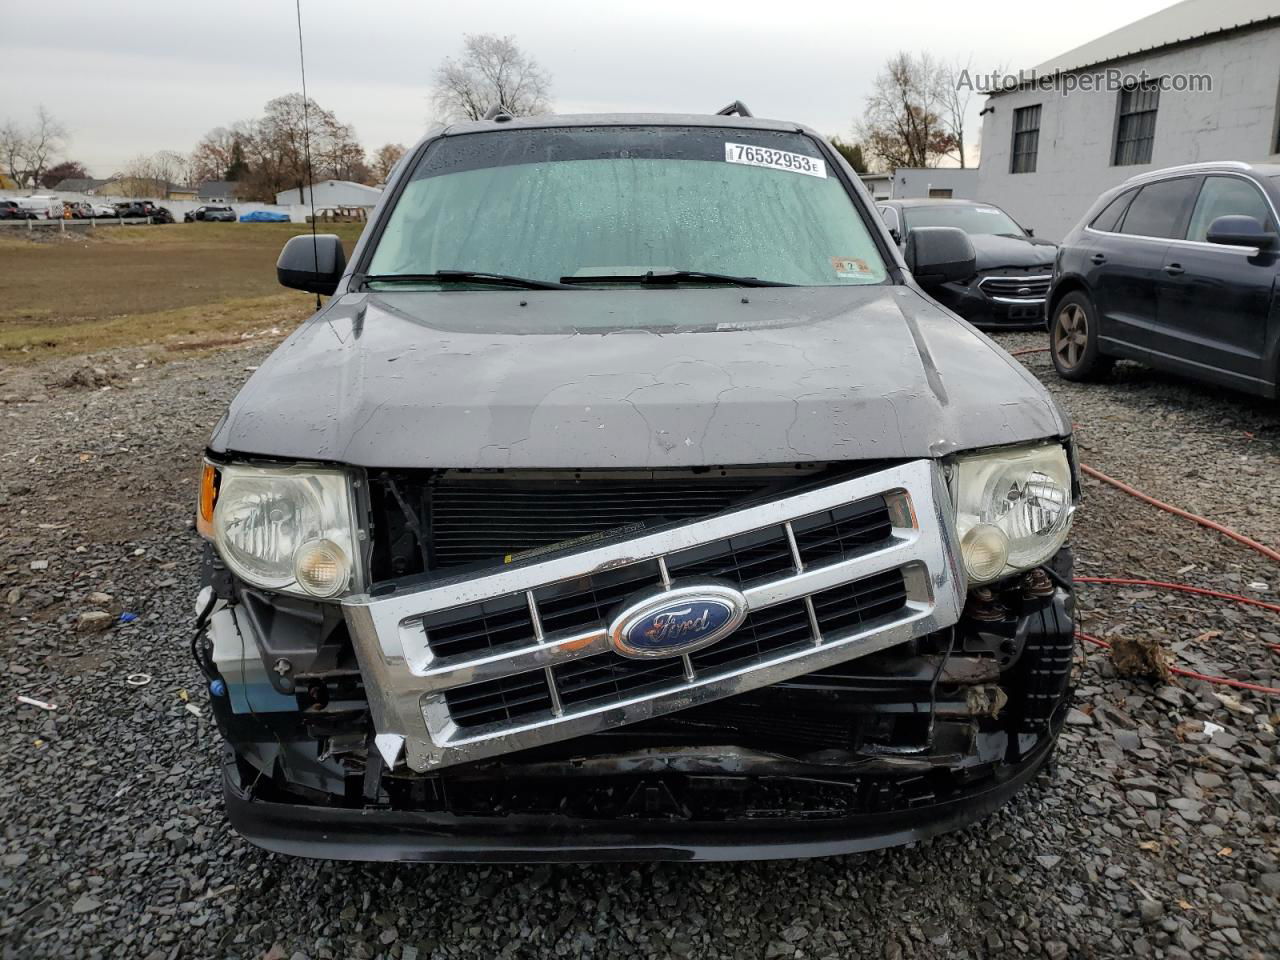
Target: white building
point(1197, 81)
point(333, 193)
point(879, 185)
point(905, 183)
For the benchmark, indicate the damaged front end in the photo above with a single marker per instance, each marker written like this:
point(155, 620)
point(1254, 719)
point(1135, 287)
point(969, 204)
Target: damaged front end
point(495, 691)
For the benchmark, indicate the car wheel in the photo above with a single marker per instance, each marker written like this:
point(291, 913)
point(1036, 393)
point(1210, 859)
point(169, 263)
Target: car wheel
point(1073, 339)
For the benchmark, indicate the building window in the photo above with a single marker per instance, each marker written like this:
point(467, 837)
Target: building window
point(1026, 139)
point(1136, 124)
point(1275, 136)
point(940, 193)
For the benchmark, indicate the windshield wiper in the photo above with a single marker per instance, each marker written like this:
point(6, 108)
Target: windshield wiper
point(656, 277)
point(467, 276)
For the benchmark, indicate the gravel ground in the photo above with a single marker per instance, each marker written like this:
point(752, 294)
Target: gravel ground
point(1149, 838)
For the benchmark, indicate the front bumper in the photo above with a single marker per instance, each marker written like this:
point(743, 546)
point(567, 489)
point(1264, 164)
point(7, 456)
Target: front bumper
point(393, 835)
point(867, 704)
point(988, 312)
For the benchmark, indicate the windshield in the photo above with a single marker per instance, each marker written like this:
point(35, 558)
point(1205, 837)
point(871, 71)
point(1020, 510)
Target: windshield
point(971, 218)
point(620, 202)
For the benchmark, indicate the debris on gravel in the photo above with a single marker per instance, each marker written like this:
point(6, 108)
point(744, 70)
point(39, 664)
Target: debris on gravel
point(1154, 834)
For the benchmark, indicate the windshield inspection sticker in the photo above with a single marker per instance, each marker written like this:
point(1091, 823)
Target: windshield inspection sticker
point(852, 268)
point(774, 159)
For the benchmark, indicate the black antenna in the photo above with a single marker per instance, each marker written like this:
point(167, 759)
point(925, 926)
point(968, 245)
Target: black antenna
point(306, 145)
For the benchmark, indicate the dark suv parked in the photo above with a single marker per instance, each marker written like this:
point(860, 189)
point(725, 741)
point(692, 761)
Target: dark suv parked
point(12, 210)
point(210, 214)
point(631, 499)
point(1012, 268)
point(1178, 269)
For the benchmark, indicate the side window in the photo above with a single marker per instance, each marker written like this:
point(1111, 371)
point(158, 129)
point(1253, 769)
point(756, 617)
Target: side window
point(1109, 218)
point(1160, 209)
point(1026, 139)
point(1136, 124)
point(1224, 197)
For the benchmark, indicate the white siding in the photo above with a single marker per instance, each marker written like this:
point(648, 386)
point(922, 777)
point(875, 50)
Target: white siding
point(334, 193)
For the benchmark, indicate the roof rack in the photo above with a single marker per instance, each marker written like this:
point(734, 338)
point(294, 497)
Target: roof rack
point(1191, 168)
point(737, 107)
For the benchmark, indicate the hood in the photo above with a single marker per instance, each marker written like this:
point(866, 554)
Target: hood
point(995, 252)
point(633, 378)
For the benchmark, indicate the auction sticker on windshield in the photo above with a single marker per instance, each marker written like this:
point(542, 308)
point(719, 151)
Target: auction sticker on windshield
point(774, 159)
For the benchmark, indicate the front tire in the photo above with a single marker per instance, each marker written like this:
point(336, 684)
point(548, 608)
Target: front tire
point(1073, 339)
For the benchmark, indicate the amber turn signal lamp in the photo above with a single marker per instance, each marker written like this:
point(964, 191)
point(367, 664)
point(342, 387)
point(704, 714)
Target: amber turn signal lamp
point(208, 497)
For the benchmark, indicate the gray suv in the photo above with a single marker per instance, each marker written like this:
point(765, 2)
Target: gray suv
point(631, 498)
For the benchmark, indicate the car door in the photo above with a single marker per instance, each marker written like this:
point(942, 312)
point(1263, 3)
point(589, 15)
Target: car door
point(1128, 264)
point(1214, 299)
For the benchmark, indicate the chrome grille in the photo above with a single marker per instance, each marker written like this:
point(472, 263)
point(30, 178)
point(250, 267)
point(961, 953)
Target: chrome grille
point(479, 666)
point(609, 676)
point(741, 560)
point(1018, 289)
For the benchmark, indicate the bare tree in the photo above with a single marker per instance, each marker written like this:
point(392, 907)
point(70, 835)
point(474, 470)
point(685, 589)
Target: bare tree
point(138, 179)
point(954, 97)
point(385, 159)
point(28, 151)
point(172, 167)
point(212, 155)
point(46, 139)
point(274, 148)
point(13, 151)
point(903, 125)
point(492, 71)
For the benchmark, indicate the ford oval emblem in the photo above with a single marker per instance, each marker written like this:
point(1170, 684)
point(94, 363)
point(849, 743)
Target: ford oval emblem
point(678, 621)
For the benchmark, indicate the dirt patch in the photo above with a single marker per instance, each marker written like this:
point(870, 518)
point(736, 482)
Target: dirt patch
point(1141, 659)
point(117, 286)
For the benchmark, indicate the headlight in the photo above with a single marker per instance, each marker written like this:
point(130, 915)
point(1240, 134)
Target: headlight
point(1013, 509)
point(286, 528)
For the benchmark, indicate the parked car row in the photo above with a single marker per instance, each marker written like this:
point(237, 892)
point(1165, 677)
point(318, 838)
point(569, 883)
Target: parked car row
point(52, 208)
point(1178, 269)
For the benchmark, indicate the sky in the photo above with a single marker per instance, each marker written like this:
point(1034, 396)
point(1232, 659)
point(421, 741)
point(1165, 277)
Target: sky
point(134, 77)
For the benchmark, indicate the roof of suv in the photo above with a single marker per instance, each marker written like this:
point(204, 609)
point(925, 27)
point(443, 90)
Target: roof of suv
point(1209, 166)
point(620, 120)
point(934, 202)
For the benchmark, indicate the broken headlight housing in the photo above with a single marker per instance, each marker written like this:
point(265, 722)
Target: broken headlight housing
point(286, 528)
point(1013, 509)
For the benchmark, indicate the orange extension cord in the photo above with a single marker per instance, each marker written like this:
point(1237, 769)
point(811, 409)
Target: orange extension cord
point(1268, 552)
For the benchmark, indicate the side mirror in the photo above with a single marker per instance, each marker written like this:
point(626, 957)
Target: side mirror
point(938, 255)
point(1030, 232)
point(1239, 231)
point(314, 267)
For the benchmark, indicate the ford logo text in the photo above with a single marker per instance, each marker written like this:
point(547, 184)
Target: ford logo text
point(678, 621)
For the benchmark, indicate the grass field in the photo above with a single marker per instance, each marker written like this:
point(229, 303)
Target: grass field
point(125, 286)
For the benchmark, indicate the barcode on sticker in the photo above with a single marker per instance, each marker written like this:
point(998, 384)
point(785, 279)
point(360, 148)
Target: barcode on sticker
point(774, 159)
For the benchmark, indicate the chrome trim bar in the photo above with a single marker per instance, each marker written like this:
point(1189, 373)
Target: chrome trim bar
point(406, 683)
point(1021, 281)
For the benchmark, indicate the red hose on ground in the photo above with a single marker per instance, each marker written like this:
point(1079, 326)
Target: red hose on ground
point(1273, 555)
point(1268, 552)
point(1181, 588)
